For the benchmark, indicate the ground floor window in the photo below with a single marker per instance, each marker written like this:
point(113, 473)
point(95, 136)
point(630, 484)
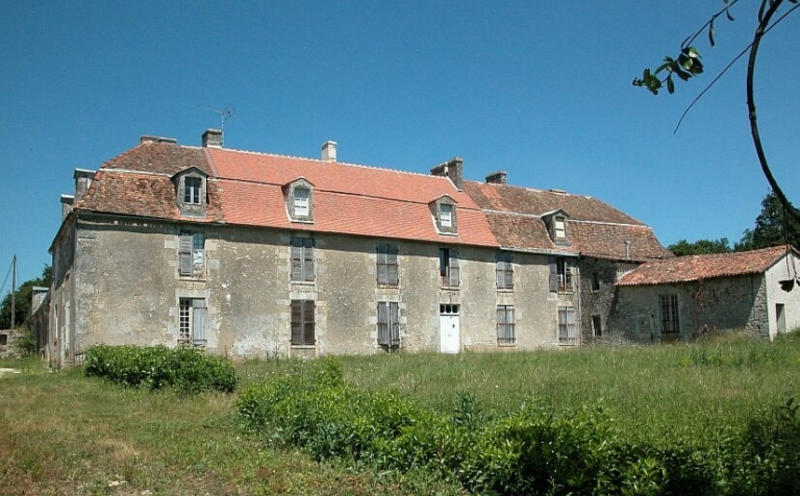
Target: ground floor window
point(303, 333)
point(505, 325)
point(669, 314)
point(389, 324)
point(597, 326)
point(192, 321)
point(567, 333)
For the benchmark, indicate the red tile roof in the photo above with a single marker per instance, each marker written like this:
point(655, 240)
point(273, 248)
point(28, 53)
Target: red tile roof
point(595, 228)
point(699, 267)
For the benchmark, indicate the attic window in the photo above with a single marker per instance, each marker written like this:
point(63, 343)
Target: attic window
point(190, 185)
point(446, 216)
point(191, 190)
point(300, 200)
point(560, 228)
point(444, 211)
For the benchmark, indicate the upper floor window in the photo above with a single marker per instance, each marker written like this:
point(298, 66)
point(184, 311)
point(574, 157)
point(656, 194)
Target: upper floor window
point(302, 259)
point(561, 271)
point(387, 265)
point(444, 211)
point(191, 191)
point(191, 254)
point(299, 196)
point(505, 271)
point(448, 267)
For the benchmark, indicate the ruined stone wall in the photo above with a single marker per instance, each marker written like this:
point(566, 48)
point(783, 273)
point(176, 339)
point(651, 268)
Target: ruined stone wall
point(128, 288)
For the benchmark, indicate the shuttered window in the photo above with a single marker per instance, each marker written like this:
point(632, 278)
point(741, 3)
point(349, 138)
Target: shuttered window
point(505, 271)
point(388, 324)
point(597, 325)
point(191, 254)
point(192, 188)
point(567, 332)
point(303, 323)
point(192, 321)
point(301, 202)
point(505, 325)
point(387, 266)
point(448, 267)
point(302, 259)
point(560, 274)
point(669, 314)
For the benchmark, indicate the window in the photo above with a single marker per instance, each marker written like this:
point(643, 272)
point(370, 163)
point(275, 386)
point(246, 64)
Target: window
point(595, 281)
point(303, 323)
point(505, 271)
point(387, 265)
point(191, 255)
point(388, 324)
point(597, 328)
point(3, 339)
point(505, 325)
point(446, 216)
point(444, 210)
point(669, 314)
point(560, 275)
point(302, 259)
point(448, 267)
point(301, 196)
point(192, 321)
point(192, 189)
point(560, 228)
point(566, 325)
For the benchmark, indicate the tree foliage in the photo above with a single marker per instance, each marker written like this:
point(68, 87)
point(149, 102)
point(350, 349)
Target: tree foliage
point(769, 227)
point(700, 247)
point(22, 303)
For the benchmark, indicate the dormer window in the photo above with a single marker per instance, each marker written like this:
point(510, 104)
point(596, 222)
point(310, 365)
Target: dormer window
point(444, 212)
point(299, 196)
point(190, 188)
point(557, 226)
point(560, 228)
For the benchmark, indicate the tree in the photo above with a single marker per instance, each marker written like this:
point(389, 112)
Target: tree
point(688, 65)
point(700, 247)
point(22, 303)
point(773, 227)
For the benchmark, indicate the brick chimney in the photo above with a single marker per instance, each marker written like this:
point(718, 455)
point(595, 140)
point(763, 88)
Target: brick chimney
point(212, 137)
point(498, 177)
point(83, 180)
point(329, 151)
point(453, 169)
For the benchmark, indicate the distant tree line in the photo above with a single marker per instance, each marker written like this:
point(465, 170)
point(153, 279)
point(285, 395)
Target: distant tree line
point(772, 228)
point(22, 303)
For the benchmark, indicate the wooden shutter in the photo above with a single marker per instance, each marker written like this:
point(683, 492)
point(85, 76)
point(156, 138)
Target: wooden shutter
point(199, 321)
point(383, 324)
point(571, 323)
point(553, 275)
point(297, 260)
point(297, 322)
point(501, 320)
point(394, 324)
point(382, 269)
point(453, 276)
point(308, 322)
point(308, 259)
point(185, 255)
point(391, 265)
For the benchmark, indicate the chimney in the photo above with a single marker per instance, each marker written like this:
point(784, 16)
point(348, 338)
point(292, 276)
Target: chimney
point(627, 249)
point(498, 177)
point(147, 138)
point(66, 206)
point(329, 151)
point(83, 180)
point(453, 169)
point(212, 137)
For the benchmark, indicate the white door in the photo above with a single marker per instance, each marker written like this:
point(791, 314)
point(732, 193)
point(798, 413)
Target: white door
point(448, 329)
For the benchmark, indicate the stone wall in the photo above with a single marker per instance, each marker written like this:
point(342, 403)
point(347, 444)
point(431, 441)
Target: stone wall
point(125, 288)
point(602, 275)
point(784, 270)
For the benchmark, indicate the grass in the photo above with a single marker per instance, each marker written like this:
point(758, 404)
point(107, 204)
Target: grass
point(64, 433)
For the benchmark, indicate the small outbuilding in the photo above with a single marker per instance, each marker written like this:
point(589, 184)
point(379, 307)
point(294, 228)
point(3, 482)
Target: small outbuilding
point(681, 298)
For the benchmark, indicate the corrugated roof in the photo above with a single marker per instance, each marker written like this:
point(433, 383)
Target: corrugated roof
point(698, 267)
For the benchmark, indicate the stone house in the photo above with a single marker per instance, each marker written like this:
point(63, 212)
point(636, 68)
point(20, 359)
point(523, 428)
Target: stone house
point(255, 254)
point(686, 297)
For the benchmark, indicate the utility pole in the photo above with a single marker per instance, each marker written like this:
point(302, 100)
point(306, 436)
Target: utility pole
point(13, 289)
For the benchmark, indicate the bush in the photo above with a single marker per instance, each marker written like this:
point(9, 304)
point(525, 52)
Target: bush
point(185, 368)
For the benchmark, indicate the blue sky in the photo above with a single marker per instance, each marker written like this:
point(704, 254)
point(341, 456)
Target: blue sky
point(541, 89)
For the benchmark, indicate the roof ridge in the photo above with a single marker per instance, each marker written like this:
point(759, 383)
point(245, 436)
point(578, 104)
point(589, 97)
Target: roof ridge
point(348, 164)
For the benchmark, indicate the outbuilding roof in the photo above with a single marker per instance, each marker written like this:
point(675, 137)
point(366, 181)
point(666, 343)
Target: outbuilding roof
point(699, 267)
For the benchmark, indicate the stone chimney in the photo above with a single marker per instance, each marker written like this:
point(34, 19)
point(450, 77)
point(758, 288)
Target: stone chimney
point(66, 205)
point(329, 151)
point(147, 138)
point(83, 180)
point(212, 137)
point(453, 169)
point(498, 177)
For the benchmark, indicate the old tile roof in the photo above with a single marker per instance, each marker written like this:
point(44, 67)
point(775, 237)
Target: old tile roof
point(246, 188)
point(594, 229)
point(699, 267)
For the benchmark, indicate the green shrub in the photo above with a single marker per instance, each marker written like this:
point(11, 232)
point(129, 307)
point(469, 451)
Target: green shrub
point(185, 368)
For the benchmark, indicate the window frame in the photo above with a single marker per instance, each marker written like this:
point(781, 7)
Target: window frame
point(451, 227)
point(670, 314)
point(290, 193)
point(597, 326)
point(388, 325)
point(504, 271)
point(299, 324)
point(449, 267)
point(567, 327)
point(506, 326)
point(561, 275)
point(192, 321)
point(301, 260)
point(191, 258)
point(191, 208)
point(387, 265)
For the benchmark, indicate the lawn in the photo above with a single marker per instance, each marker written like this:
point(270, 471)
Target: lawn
point(64, 433)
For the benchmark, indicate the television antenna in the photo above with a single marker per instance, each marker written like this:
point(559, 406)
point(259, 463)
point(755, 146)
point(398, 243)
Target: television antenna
point(225, 113)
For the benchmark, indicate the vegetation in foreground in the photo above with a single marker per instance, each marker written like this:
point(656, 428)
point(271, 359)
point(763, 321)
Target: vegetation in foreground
point(68, 434)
